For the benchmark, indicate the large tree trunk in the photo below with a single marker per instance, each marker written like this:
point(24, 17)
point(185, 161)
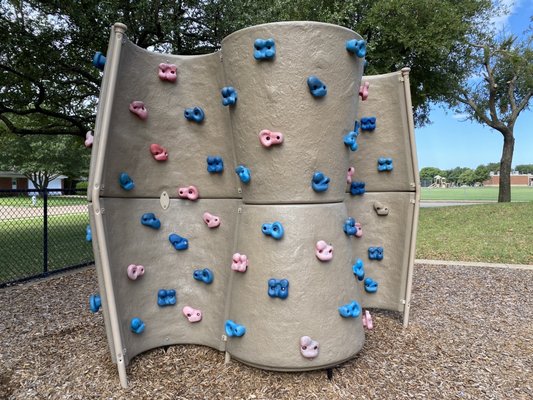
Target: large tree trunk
point(504, 194)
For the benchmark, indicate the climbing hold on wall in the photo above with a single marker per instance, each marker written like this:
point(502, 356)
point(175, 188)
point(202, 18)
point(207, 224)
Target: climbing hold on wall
point(316, 86)
point(99, 60)
point(357, 188)
point(320, 182)
point(95, 302)
point(264, 49)
point(215, 164)
point(89, 139)
point(168, 72)
point(137, 325)
point(278, 288)
point(350, 310)
point(350, 140)
point(309, 347)
point(88, 234)
point(358, 269)
point(135, 271)
point(363, 90)
point(138, 108)
point(229, 96)
point(244, 173)
point(375, 253)
point(367, 320)
point(352, 228)
point(192, 314)
point(158, 152)
point(323, 251)
point(149, 220)
point(368, 123)
point(239, 262)
point(384, 164)
point(381, 209)
point(195, 114)
point(204, 275)
point(269, 138)
point(233, 329)
point(125, 181)
point(178, 242)
point(371, 286)
point(166, 297)
point(212, 221)
point(274, 229)
point(189, 192)
point(349, 174)
point(357, 47)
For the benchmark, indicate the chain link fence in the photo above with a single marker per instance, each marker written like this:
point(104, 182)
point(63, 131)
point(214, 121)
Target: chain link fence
point(42, 232)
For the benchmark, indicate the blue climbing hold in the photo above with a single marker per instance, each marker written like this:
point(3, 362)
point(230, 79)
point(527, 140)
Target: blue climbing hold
point(274, 229)
point(99, 60)
point(125, 181)
point(234, 329)
point(357, 47)
point(357, 188)
point(244, 173)
point(204, 275)
point(166, 297)
point(95, 302)
point(320, 182)
point(195, 114)
point(316, 86)
point(229, 96)
point(264, 49)
point(151, 221)
point(358, 269)
point(384, 164)
point(178, 242)
point(278, 288)
point(371, 286)
point(215, 164)
point(350, 310)
point(137, 325)
point(349, 227)
point(375, 253)
point(350, 140)
point(88, 233)
point(368, 123)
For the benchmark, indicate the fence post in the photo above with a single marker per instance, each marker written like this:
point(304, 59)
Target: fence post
point(45, 231)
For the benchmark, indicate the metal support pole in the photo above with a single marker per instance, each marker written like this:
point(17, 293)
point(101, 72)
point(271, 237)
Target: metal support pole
point(45, 232)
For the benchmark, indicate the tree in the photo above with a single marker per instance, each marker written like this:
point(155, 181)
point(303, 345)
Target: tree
point(481, 173)
point(467, 177)
point(42, 158)
point(428, 173)
point(524, 168)
point(45, 58)
point(504, 90)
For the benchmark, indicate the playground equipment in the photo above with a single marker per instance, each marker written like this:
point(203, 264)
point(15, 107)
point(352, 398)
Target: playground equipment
point(244, 200)
point(439, 182)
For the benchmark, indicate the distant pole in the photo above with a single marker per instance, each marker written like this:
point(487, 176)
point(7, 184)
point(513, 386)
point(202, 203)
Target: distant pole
point(45, 231)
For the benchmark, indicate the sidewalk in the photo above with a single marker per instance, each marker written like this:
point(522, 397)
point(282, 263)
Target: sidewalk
point(472, 264)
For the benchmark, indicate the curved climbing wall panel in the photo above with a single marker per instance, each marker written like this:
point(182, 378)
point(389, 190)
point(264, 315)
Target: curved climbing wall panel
point(218, 198)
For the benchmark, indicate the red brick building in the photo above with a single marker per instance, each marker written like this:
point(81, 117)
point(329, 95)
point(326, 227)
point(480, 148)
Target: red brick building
point(516, 180)
point(12, 180)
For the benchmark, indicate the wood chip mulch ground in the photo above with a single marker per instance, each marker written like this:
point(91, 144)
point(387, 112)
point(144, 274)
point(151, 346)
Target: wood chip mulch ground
point(470, 337)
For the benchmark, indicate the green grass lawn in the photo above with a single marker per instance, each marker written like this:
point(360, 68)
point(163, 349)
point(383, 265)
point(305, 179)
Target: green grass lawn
point(518, 193)
point(23, 200)
point(499, 233)
point(21, 245)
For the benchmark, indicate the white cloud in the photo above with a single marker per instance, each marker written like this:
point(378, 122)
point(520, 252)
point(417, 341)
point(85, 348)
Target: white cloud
point(501, 21)
point(461, 116)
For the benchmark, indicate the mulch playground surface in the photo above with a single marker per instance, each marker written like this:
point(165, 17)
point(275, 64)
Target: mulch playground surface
point(470, 337)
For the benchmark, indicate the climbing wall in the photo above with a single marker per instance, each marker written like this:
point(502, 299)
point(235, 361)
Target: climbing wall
point(221, 203)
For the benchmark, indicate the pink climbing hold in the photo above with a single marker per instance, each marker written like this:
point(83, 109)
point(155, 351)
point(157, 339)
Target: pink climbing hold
point(135, 271)
point(309, 347)
point(158, 152)
point(363, 91)
point(192, 314)
point(168, 72)
point(367, 320)
point(324, 251)
point(189, 192)
point(212, 221)
point(240, 262)
point(358, 229)
point(349, 174)
point(89, 138)
point(138, 108)
point(268, 138)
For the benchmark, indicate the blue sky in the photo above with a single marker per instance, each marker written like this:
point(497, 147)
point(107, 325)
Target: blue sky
point(451, 142)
